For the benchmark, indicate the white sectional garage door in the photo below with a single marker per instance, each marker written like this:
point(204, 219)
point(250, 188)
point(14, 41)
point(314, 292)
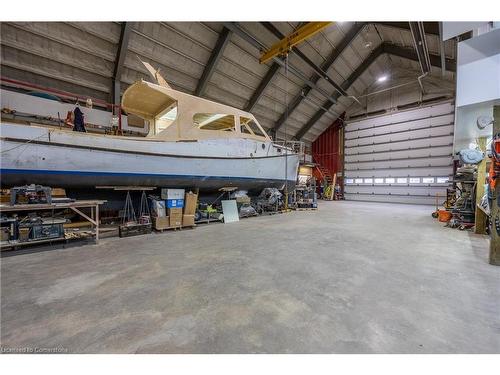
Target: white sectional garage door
point(404, 157)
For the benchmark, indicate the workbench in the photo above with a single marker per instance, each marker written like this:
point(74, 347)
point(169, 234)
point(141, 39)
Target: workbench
point(75, 206)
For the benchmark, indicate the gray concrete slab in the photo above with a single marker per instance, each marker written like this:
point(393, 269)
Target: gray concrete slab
point(348, 278)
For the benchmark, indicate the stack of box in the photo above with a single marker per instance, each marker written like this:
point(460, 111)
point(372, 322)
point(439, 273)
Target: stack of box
point(175, 203)
point(161, 222)
point(190, 202)
point(175, 215)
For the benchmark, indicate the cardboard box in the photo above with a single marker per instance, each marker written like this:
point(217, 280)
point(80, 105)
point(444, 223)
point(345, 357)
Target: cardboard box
point(58, 192)
point(172, 193)
point(190, 202)
point(176, 211)
point(243, 199)
point(175, 203)
point(175, 215)
point(176, 221)
point(161, 222)
point(187, 220)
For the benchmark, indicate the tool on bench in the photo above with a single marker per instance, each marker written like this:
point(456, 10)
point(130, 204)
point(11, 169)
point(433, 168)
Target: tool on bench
point(31, 194)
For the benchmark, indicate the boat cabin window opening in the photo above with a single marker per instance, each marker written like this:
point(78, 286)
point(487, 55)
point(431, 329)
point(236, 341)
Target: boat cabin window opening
point(167, 118)
point(214, 121)
point(249, 126)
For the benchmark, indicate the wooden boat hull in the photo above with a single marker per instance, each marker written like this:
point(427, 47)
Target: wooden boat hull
point(60, 158)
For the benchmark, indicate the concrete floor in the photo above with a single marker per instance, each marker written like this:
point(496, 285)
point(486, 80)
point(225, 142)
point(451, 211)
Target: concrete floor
point(349, 278)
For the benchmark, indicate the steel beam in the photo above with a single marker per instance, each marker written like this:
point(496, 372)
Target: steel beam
point(312, 83)
point(120, 59)
point(389, 48)
point(234, 27)
point(214, 58)
point(273, 70)
point(431, 28)
point(441, 50)
point(344, 43)
point(291, 107)
point(410, 54)
point(319, 71)
point(286, 42)
point(345, 85)
point(419, 40)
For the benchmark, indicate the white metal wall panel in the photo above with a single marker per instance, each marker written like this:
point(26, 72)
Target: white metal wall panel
point(404, 157)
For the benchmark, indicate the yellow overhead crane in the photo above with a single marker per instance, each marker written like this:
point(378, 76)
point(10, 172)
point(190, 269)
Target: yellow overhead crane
point(284, 46)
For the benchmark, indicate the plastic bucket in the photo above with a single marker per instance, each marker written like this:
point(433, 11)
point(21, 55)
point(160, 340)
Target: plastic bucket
point(444, 216)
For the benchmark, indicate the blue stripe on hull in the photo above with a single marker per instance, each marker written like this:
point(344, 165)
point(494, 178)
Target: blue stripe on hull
point(12, 177)
point(95, 173)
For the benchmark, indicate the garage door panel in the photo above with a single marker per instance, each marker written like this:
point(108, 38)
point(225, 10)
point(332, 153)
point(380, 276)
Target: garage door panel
point(399, 127)
point(406, 116)
point(406, 163)
point(418, 113)
point(445, 171)
point(399, 137)
point(404, 157)
point(425, 200)
point(399, 146)
point(395, 189)
point(419, 153)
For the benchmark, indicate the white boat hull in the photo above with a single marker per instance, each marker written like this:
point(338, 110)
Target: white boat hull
point(32, 154)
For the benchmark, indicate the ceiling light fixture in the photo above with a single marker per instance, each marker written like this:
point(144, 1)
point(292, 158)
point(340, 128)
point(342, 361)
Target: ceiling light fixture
point(382, 78)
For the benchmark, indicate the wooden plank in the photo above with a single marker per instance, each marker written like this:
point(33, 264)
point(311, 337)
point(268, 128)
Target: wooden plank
point(334, 182)
point(34, 207)
point(12, 245)
point(495, 210)
point(480, 219)
point(83, 215)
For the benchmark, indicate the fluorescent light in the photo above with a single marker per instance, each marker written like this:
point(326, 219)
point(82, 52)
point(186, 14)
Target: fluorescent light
point(382, 78)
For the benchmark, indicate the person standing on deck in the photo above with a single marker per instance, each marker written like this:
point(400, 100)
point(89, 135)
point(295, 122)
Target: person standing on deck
point(79, 124)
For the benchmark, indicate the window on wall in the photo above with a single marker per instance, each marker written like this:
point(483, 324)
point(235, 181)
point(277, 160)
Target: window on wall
point(349, 181)
point(379, 180)
point(442, 180)
point(428, 180)
point(414, 180)
point(402, 180)
point(214, 121)
point(368, 180)
point(390, 180)
point(249, 126)
point(358, 180)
